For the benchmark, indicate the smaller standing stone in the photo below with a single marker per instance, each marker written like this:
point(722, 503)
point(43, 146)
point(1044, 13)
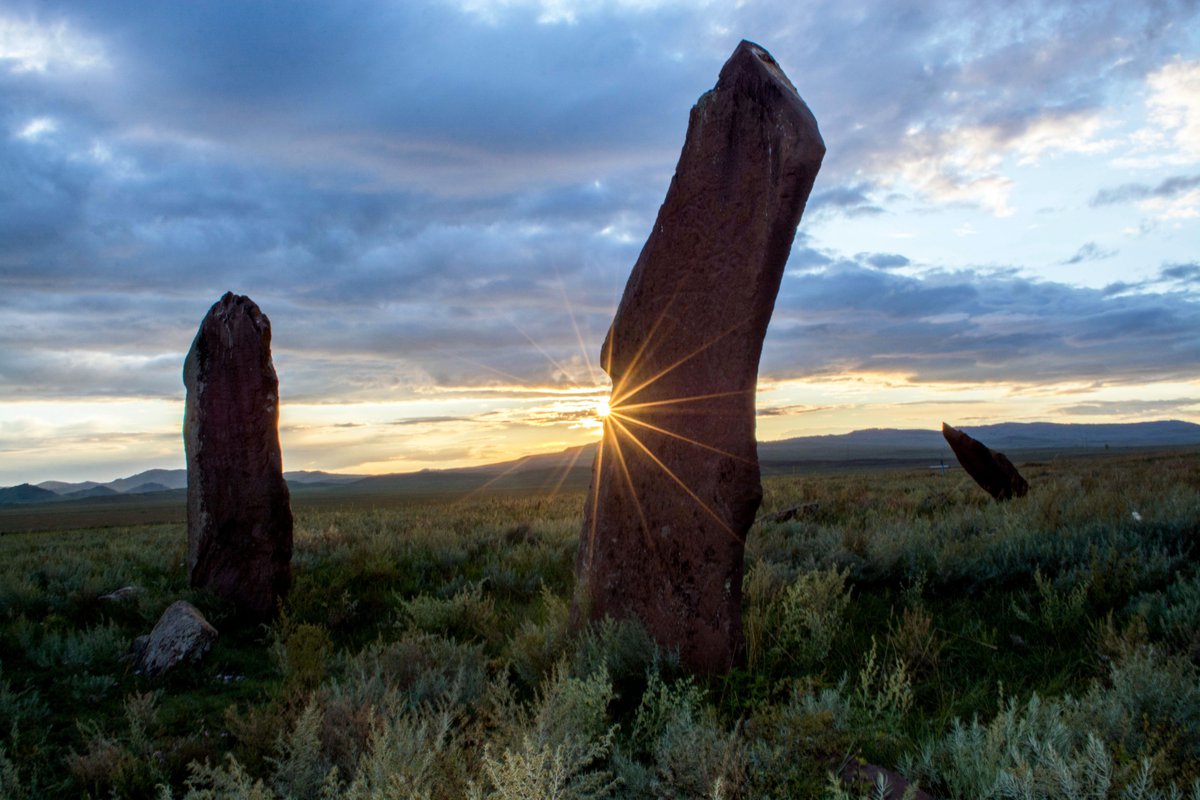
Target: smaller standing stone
point(181, 635)
point(991, 469)
point(238, 505)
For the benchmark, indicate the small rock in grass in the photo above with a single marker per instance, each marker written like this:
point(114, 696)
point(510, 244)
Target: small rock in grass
point(122, 594)
point(181, 635)
point(796, 512)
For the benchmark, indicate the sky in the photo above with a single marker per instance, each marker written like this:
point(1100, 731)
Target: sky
point(437, 204)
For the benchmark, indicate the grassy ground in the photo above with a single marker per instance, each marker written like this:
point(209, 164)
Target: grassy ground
point(1046, 647)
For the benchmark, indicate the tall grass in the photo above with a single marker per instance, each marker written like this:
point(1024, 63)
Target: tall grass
point(1042, 648)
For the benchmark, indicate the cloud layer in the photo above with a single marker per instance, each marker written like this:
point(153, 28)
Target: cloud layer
point(431, 197)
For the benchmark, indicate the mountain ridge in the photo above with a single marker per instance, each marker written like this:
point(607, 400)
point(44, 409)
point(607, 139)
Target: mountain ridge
point(864, 445)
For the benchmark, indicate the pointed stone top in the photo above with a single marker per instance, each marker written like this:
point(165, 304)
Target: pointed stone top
point(750, 55)
point(234, 318)
point(753, 71)
point(231, 304)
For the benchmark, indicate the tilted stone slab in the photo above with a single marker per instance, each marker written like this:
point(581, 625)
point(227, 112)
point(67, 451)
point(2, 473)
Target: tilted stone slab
point(991, 469)
point(239, 512)
point(675, 484)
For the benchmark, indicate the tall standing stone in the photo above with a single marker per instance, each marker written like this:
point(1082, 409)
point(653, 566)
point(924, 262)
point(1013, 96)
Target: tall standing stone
point(239, 512)
point(675, 484)
point(991, 469)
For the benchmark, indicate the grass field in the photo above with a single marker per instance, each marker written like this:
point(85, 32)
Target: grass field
point(1043, 648)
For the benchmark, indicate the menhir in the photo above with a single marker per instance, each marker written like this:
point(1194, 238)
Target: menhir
point(239, 512)
point(991, 469)
point(675, 483)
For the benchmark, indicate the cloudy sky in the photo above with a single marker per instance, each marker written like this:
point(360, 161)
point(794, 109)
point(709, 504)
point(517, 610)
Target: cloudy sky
point(437, 205)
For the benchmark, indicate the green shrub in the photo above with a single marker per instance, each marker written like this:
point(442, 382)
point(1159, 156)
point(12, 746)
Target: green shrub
point(469, 615)
point(884, 695)
point(20, 711)
point(916, 641)
point(11, 786)
point(763, 584)
point(811, 613)
point(1174, 614)
point(301, 769)
point(304, 657)
point(835, 789)
point(1149, 706)
point(73, 649)
point(621, 649)
point(557, 748)
point(228, 782)
point(1064, 748)
point(423, 667)
point(414, 754)
point(791, 744)
point(539, 644)
point(1029, 745)
point(689, 753)
point(1057, 612)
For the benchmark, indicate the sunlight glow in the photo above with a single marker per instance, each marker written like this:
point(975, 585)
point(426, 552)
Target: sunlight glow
point(621, 418)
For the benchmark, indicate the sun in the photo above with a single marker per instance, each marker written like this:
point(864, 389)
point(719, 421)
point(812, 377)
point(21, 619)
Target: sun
point(602, 408)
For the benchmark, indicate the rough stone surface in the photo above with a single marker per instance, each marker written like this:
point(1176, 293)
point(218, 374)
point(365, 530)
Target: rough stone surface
point(675, 484)
point(181, 635)
point(239, 512)
point(991, 469)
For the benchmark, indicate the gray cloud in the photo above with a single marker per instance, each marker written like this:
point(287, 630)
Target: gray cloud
point(1132, 408)
point(1130, 192)
point(884, 260)
point(972, 326)
point(427, 420)
point(1183, 273)
point(413, 193)
point(1089, 252)
point(789, 410)
point(852, 200)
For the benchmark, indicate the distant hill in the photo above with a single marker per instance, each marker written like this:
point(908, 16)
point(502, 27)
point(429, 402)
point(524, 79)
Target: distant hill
point(1005, 436)
point(146, 488)
point(571, 468)
point(161, 480)
point(25, 493)
point(316, 476)
point(1018, 440)
point(61, 487)
point(170, 478)
point(94, 491)
point(1043, 435)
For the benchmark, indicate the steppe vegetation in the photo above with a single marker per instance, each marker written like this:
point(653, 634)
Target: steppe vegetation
point(1042, 648)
